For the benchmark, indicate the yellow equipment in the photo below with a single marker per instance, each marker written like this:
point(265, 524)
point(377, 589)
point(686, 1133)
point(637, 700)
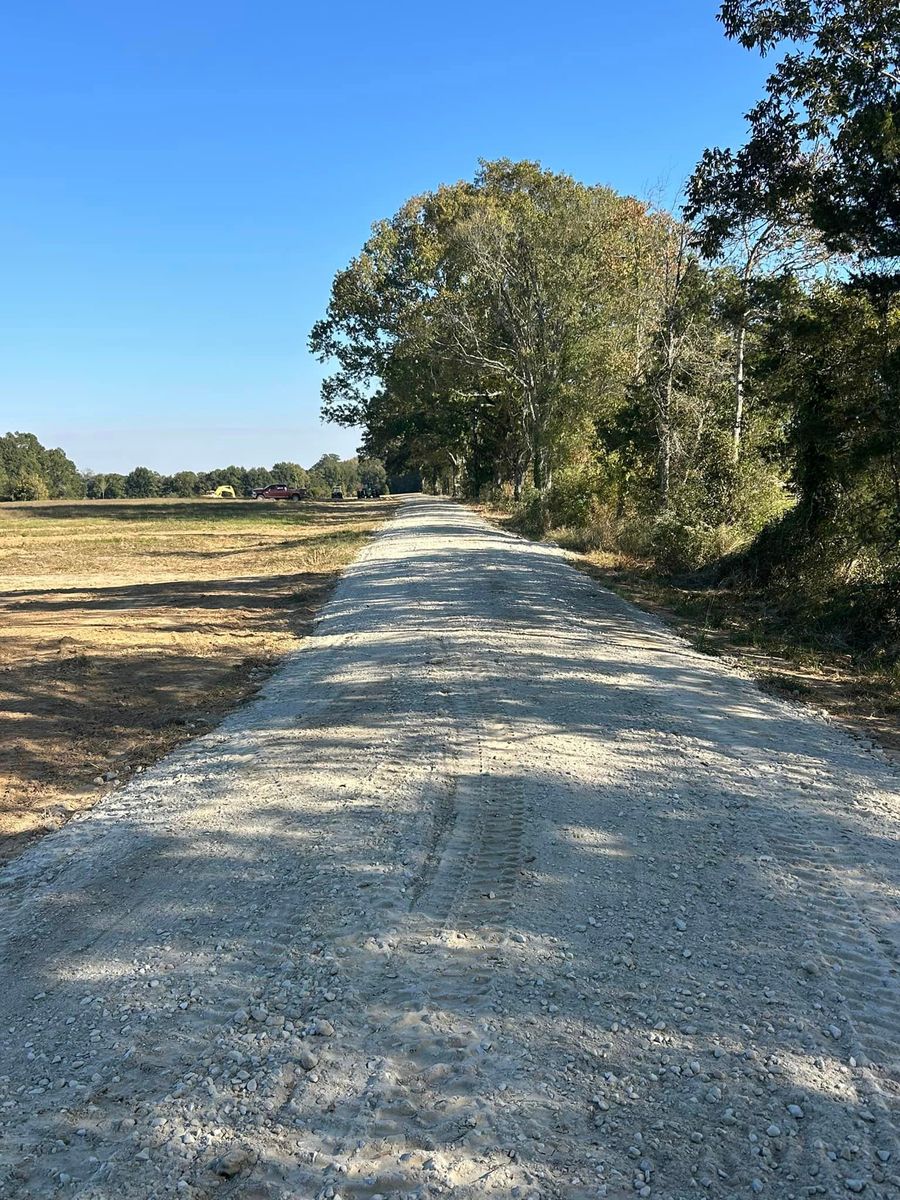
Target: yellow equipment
point(224, 492)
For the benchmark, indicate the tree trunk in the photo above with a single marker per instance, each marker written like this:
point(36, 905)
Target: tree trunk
point(664, 426)
point(518, 479)
point(737, 433)
point(539, 469)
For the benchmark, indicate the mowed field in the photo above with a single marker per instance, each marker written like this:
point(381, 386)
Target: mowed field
point(129, 626)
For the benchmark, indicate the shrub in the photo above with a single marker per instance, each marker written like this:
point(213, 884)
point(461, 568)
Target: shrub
point(29, 485)
point(677, 545)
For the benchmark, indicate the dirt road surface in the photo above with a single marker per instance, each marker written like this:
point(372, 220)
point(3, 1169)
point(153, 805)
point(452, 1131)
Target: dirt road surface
point(497, 890)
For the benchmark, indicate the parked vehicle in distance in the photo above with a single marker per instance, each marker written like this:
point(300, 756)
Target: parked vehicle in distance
point(280, 491)
point(223, 492)
point(337, 494)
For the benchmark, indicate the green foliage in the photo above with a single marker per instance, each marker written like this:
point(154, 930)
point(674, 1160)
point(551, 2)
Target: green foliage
point(29, 471)
point(28, 484)
point(825, 138)
point(142, 483)
point(480, 321)
point(184, 483)
point(286, 472)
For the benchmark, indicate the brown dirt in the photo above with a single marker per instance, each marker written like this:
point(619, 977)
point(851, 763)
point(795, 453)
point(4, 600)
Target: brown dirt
point(128, 627)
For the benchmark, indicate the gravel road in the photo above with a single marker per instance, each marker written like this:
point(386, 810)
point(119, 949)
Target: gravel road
point(497, 890)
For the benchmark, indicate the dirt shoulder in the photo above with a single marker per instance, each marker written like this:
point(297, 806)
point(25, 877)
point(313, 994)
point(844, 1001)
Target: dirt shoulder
point(129, 627)
point(743, 629)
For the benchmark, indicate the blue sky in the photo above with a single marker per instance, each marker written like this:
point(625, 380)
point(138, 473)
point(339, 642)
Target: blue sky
point(180, 180)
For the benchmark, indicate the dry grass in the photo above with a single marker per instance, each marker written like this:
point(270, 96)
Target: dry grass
point(129, 626)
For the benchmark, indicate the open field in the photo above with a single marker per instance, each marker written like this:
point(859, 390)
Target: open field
point(130, 625)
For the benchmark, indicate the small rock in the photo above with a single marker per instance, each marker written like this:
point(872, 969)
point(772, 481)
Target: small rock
point(230, 1163)
point(307, 1060)
point(773, 1130)
point(795, 1110)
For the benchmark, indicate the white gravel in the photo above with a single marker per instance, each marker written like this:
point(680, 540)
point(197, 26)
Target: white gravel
point(499, 889)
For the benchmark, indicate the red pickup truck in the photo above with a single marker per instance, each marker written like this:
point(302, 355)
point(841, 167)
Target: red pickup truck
point(280, 491)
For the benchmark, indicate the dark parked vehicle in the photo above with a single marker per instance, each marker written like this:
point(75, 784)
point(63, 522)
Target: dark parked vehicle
point(337, 494)
point(280, 491)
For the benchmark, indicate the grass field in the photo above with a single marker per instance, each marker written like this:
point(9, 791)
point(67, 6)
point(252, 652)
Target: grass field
point(129, 626)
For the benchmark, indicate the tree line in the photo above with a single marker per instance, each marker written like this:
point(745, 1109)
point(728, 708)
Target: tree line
point(716, 387)
point(29, 471)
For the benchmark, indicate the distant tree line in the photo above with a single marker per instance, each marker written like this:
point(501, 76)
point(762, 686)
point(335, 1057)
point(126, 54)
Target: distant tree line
point(29, 471)
point(717, 387)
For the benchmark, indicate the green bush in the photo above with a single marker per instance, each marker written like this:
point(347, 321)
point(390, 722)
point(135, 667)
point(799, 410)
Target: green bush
point(29, 485)
point(677, 545)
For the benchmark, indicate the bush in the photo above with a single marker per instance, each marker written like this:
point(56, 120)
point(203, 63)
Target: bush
point(28, 485)
point(677, 545)
point(570, 499)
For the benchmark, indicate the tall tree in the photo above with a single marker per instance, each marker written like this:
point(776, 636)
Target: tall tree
point(758, 236)
point(483, 319)
point(826, 135)
point(142, 483)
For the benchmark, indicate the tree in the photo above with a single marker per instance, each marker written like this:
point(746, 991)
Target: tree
point(372, 474)
point(290, 473)
point(184, 483)
point(757, 236)
point(28, 484)
point(142, 483)
point(328, 468)
point(826, 136)
point(61, 476)
point(481, 322)
point(27, 466)
point(94, 485)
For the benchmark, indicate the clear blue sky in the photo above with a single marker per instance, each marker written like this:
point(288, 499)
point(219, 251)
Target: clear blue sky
point(179, 181)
